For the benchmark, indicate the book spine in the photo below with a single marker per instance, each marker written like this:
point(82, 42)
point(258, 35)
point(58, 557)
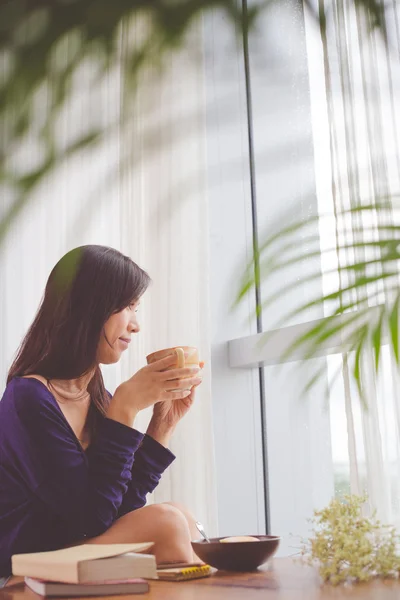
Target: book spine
point(67, 573)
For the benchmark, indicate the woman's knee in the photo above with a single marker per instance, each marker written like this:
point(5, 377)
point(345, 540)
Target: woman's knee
point(173, 534)
point(162, 524)
point(171, 519)
point(191, 521)
point(182, 509)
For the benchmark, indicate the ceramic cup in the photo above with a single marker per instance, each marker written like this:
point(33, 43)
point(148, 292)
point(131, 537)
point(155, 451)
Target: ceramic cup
point(186, 356)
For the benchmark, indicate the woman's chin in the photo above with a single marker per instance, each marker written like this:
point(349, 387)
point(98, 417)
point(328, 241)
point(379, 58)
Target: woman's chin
point(110, 359)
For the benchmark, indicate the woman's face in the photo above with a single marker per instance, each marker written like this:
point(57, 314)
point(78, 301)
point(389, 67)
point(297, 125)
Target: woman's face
point(117, 334)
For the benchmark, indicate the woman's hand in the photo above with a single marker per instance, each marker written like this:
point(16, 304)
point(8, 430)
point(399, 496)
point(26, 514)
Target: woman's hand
point(167, 414)
point(151, 385)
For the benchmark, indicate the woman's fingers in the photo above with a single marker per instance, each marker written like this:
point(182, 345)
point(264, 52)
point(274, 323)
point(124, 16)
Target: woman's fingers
point(169, 361)
point(179, 373)
point(188, 382)
point(176, 395)
point(163, 363)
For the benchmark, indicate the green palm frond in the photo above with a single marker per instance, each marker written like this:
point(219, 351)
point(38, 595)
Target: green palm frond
point(362, 311)
point(44, 43)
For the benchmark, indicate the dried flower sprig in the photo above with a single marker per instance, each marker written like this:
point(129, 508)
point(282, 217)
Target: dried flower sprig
point(349, 547)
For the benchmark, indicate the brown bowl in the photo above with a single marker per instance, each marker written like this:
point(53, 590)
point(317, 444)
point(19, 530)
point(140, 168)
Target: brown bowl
point(236, 556)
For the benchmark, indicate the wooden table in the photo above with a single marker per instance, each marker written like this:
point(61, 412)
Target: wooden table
point(282, 580)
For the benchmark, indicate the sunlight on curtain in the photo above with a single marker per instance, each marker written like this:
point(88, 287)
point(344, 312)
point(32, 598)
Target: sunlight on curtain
point(164, 223)
point(355, 92)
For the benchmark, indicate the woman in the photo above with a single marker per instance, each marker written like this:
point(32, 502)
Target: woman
point(72, 467)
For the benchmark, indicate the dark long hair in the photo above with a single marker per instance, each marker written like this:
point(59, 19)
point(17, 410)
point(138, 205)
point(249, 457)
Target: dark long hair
point(85, 288)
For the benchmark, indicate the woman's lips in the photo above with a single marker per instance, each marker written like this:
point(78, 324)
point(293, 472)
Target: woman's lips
point(124, 342)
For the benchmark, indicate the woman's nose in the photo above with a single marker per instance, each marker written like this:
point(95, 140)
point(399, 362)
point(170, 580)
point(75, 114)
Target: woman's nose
point(134, 326)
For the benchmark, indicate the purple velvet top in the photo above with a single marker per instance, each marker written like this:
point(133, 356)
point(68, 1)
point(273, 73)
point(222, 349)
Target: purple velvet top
point(52, 492)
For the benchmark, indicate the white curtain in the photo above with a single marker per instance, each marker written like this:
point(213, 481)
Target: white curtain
point(142, 191)
point(355, 94)
point(169, 235)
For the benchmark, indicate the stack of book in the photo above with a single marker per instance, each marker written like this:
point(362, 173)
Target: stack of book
point(88, 570)
point(98, 570)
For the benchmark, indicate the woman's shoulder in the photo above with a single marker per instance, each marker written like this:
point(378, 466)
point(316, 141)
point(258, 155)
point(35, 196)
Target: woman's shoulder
point(28, 382)
point(28, 392)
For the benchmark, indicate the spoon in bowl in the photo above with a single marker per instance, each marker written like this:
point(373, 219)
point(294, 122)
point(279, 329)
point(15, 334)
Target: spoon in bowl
point(200, 528)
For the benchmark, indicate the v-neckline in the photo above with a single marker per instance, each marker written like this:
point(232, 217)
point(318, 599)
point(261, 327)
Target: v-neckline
point(54, 401)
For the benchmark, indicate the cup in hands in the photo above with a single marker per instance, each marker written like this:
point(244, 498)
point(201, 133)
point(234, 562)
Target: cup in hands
point(170, 374)
point(186, 356)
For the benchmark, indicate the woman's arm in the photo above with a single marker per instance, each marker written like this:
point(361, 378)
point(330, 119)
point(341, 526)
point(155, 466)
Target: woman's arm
point(152, 457)
point(151, 460)
point(85, 491)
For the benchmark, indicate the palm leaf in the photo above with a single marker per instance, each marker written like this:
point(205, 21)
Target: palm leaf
point(361, 284)
point(320, 333)
point(31, 33)
point(377, 337)
point(394, 328)
point(362, 336)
